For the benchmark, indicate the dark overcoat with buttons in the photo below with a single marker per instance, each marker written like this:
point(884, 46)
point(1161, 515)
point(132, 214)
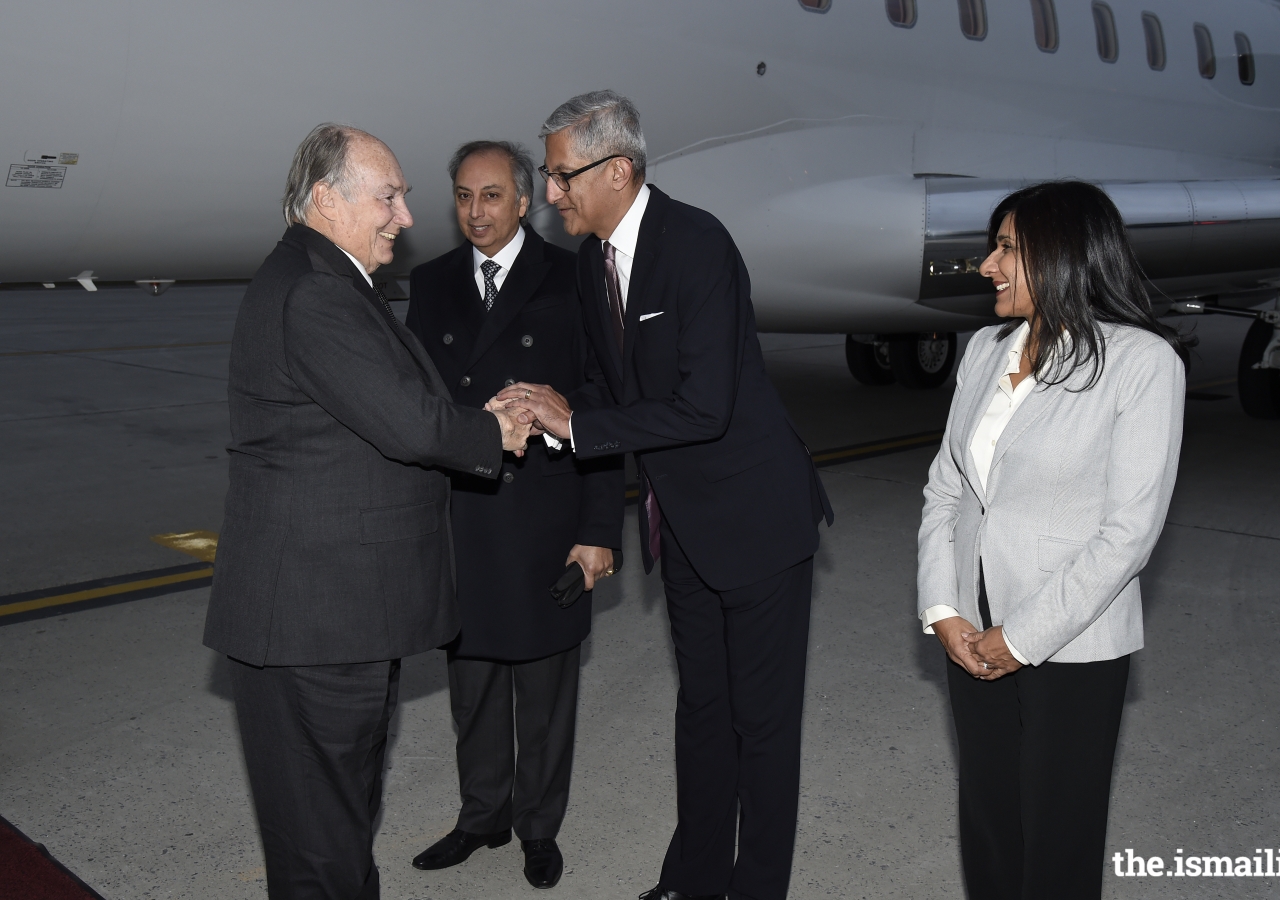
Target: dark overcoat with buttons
point(512, 536)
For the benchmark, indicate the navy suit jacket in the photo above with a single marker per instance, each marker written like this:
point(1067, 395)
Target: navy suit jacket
point(690, 397)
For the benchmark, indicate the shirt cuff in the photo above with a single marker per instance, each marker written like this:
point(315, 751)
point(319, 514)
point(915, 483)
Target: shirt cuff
point(554, 442)
point(1014, 650)
point(937, 614)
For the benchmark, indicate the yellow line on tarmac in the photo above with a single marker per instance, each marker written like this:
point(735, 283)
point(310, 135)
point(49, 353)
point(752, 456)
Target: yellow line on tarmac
point(108, 591)
point(919, 440)
point(116, 349)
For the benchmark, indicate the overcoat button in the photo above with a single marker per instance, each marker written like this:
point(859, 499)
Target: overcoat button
point(466, 381)
point(448, 339)
point(526, 341)
point(508, 382)
point(508, 477)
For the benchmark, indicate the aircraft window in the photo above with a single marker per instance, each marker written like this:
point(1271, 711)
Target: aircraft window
point(1046, 22)
point(816, 5)
point(1204, 51)
point(1104, 24)
point(901, 12)
point(1155, 40)
point(1244, 56)
point(973, 19)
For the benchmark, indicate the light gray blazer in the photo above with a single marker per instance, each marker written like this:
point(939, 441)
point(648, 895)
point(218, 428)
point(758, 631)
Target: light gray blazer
point(1075, 499)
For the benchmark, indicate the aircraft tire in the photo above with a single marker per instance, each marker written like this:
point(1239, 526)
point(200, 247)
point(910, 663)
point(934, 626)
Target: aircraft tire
point(923, 360)
point(868, 361)
point(1259, 388)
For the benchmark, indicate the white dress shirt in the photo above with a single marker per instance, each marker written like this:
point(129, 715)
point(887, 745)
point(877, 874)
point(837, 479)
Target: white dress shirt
point(358, 266)
point(505, 258)
point(1003, 405)
point(624, 239)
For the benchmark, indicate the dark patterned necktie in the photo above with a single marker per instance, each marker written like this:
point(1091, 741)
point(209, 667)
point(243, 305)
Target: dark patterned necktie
point(490, 269)
point(382, 298)
point(614, 289)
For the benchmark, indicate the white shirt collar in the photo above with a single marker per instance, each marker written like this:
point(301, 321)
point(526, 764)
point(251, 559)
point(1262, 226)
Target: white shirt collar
point(627, 233)
point(1015, 349)
point(358, 266)
point(504, 257)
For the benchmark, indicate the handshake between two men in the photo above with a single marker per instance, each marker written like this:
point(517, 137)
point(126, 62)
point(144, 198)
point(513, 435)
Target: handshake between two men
point(526, 410)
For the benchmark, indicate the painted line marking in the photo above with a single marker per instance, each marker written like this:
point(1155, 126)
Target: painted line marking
point(22, 606)
point(117, 349)
point(876, 448)
point(838, 455)
point(203, 545)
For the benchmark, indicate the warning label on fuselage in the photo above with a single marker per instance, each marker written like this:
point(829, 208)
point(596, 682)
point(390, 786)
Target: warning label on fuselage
point(27, 176)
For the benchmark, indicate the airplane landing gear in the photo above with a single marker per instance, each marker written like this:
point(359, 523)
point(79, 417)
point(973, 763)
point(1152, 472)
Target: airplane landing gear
point(868, 361)
point(1258, 374)
point(923, 360)
point(912, 360)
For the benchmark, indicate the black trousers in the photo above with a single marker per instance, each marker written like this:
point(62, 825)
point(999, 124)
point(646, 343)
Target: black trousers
point(314, 739)
point(741, 658)
point(501, 788)
point(1036, 751)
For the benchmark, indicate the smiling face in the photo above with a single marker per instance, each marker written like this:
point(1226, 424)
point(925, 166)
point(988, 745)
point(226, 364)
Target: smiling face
point(597, 199)
point(485, 196)
point(1006, 270)
point(366, 226)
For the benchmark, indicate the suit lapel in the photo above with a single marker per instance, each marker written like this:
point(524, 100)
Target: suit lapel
point(647, 247)
point(527, 272)
point(327, 257)
point(984, 381)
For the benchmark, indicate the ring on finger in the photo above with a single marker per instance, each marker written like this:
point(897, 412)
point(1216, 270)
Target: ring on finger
point(527, 393)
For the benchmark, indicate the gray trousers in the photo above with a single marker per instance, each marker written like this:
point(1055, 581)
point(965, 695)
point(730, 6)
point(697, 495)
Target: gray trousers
point(314, 739)
point(500, 788)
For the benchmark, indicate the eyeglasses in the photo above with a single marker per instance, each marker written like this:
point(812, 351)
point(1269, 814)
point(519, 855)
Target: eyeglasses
point(562, 178)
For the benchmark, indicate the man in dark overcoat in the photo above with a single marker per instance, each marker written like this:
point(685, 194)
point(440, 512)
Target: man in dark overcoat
point(334, 560)
point(503, 307)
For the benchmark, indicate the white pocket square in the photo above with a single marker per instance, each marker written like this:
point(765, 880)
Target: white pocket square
point(649, 316)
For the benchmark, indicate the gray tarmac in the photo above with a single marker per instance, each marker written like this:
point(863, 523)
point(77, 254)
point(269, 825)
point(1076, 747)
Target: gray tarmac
point(118, 748)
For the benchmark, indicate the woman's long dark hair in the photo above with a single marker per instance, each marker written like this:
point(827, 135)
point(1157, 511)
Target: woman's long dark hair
point(1082, 272)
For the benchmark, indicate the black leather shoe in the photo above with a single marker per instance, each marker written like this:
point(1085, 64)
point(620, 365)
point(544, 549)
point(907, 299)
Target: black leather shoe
point(456, 846)
point(543, 864)
point(658, 892)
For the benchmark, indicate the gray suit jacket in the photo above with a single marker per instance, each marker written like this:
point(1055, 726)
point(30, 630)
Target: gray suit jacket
point(1075, 499)
point(335, 547)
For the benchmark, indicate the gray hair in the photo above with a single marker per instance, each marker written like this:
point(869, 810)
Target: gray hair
point(321, 157)
point(601, 123)
point(521, 163)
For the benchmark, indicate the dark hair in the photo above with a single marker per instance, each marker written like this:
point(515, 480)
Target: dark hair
point(1081, 273)
point(521, 163)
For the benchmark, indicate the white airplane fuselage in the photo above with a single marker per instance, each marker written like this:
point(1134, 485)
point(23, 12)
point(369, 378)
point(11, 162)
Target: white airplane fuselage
point(833, 169)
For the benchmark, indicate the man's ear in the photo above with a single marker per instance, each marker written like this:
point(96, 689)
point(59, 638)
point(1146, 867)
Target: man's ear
point(524, 207)
point(620, 173)
point(323, 201)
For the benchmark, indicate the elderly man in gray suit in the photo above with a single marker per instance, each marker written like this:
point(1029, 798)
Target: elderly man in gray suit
point(335, 557)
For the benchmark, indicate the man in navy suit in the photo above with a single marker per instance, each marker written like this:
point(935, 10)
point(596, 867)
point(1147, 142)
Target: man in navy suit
point(499, 308)
point(729, 498)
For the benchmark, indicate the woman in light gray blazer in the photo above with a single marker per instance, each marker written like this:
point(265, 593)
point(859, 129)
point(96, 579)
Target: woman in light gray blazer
point(1042, 507)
